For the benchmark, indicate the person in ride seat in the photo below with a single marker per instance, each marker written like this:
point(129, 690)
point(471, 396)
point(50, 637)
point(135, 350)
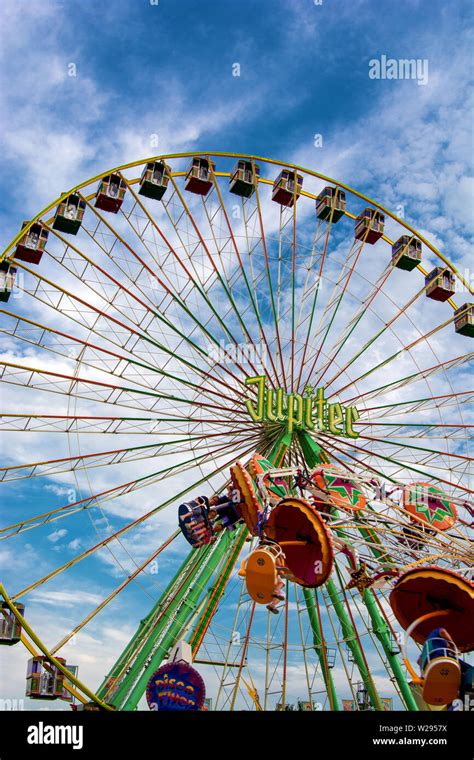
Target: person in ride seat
point(440, 668)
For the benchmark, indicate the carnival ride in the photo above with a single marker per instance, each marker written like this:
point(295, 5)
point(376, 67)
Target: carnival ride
point(270, 361)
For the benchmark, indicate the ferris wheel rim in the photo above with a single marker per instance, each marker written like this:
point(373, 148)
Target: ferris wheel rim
point(223, 154)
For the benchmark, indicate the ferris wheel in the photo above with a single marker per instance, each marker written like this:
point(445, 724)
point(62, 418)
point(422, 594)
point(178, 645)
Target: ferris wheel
point(251, 358)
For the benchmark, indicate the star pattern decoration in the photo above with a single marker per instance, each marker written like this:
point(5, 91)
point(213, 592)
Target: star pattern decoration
point(347, 489)
point(434, 509)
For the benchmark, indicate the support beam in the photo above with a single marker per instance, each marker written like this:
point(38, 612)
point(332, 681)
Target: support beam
point(215, 593)
point(177, 616)
point(382, 631)
point(350, 636)
point(319, 648)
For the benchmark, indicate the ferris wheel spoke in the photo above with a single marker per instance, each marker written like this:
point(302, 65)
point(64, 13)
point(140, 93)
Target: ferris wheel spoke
point(409, 379)
point(94, 390)
point(420, 404)
point(395, 443)
point(215, 268)
point(226, 244)
point(126, 528)
point(231, 242)
point(403, 465)
point(354, 320)
point(263, 243)
point(316, 289)
point(114, 593)
point(113, 330)
point(50, 467)
point(389, 359)
point(123, 489)
point(90, 424)
point(188, 277)
point(126, 302)
point(329, 313)
point(425, 430)
point(95, 356)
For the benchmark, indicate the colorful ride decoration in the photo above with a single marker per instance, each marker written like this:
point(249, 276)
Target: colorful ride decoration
point(342, 492)
point(429, 505)
point(436, 608)
point(305, 539)
point(249, 504)
point(176, 687)
point(264, 571)
point(276, 487)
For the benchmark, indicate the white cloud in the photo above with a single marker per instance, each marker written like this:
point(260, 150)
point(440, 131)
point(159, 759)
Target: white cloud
point(57, 535)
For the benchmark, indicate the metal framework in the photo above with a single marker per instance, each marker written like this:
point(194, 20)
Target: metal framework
point(145, 326)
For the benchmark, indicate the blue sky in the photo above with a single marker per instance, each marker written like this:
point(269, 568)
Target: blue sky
point(165, 70)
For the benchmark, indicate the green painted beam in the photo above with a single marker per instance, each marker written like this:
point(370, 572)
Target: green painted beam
point(146, 622)
point(215, 592)
point(318, 647)
point(379, 624)
point(278, 453)
point(178, 613)
point(312, 451)
point(352, 641)
point(382, 631)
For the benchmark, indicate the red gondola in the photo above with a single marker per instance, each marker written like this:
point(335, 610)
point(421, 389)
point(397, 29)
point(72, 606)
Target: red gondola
point(32, 244)
point(286, 189)
point(440, 284)
point(199, 176)
point(110, 193)
point(305, 539)
point(369, 225)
